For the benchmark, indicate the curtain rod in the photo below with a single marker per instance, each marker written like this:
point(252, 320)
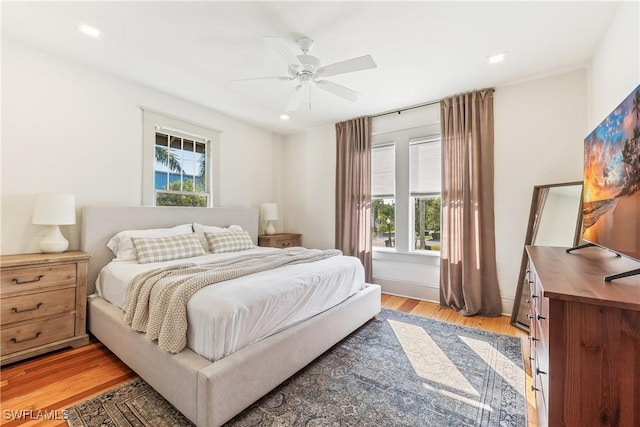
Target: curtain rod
point(426, 104)
point(405, 109)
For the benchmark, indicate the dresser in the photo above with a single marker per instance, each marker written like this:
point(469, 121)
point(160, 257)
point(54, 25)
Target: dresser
point(43, 300)
point(280, 240)
point(585, 338)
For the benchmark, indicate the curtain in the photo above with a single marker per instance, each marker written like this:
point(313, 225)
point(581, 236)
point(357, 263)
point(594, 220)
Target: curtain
point(468, 273)
point(353, 190)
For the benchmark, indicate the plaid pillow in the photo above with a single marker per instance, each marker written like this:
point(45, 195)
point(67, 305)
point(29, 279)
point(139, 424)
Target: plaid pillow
point(167, 248)
point(229, 241)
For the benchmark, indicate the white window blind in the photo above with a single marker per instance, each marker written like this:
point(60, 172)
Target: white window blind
point(425, 166)
point(383, 170)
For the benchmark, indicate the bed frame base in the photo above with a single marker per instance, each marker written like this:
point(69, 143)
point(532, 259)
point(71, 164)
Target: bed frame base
point(209, 394)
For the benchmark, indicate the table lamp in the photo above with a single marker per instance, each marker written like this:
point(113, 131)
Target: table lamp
point(54, 210)
point(269, 213)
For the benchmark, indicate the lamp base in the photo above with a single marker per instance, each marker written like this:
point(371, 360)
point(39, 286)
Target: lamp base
point(269, 229)
point(54, 241)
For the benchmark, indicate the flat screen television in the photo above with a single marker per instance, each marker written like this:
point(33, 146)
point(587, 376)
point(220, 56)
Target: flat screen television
point(611, 199)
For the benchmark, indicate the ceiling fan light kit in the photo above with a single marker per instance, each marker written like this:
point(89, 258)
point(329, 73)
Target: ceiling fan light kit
point(306, 70)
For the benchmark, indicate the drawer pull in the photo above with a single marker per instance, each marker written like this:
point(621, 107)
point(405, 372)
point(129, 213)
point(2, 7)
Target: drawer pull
point(529, 316)
point(533, 388)
point(534, 339)
point(17, 310)
point(532, 358)
point(538, 371)
point(18, 282)
point(16, 340)
point(534, 296)
point(286, 243)
point(538, 317)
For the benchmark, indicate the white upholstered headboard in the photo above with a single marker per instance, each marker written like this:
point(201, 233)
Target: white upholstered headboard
point(101, 223)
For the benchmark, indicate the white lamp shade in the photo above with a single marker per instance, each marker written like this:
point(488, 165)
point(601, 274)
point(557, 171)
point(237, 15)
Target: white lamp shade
point(55, 209)
point(269, 211)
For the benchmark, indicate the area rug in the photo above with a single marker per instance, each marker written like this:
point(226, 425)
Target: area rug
point(396, 370)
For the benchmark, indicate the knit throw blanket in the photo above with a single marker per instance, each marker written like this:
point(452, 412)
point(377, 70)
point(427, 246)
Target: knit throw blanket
point(156, 300)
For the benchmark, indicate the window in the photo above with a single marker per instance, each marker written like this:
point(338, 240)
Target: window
point(424, 155)
point(383, 206)
point(405, 189)
point(178, 168)
point(180, 171)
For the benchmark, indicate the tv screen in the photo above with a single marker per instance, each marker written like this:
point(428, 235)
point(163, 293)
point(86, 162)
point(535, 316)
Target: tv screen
point(611, 209)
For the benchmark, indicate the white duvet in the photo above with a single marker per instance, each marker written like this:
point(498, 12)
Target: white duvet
point(228, 316)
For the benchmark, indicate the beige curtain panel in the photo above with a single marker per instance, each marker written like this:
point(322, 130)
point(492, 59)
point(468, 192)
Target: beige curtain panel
point(468, 274)
point(353, 190)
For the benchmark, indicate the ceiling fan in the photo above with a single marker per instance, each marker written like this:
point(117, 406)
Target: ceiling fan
point(306, 70)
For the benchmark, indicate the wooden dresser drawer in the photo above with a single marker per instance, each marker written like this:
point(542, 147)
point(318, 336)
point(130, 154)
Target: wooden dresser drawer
point(37, 277)
point(41, 332)
point(32, 306)
point(283, 240)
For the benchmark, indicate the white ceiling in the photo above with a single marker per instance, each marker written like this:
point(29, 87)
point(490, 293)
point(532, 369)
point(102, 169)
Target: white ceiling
point(424, 50)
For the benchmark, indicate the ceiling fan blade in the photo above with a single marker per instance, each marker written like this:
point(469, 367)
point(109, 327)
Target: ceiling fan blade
point(336, 89)
point(296, 97)
point(350, 65)
point(280, 46)
point(264, 78)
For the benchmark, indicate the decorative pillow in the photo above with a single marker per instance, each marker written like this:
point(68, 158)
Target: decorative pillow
point(121, 245)
point(166, 248)
point(200, 229)
point(230, 241)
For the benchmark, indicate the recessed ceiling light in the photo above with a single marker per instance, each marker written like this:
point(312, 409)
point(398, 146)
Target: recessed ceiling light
point(284, 117)
point(89, 30)
point(498, 57)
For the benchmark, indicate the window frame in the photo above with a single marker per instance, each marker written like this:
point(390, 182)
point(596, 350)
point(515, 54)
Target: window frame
point(153, 122)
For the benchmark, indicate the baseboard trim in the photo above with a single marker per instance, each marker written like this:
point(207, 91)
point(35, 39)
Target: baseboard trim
point(424, 292)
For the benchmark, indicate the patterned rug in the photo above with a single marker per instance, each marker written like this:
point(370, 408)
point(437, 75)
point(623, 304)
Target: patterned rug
point(396, 370)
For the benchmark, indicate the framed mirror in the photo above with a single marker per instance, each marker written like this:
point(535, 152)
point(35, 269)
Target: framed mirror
point(555, 219)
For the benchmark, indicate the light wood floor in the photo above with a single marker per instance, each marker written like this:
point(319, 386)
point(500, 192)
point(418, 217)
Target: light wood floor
point(42, 386)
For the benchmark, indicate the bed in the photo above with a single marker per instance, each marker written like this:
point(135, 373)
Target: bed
point(209, 393)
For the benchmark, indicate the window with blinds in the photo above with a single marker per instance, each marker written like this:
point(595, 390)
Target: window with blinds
point(383, 170)
point(383, 181)
point(424, 154)
point(425, 190)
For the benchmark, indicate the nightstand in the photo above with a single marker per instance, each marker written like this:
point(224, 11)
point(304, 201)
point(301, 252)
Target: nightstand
point(44, 300)
point(280, 240)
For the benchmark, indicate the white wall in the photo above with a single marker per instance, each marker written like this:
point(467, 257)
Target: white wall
point(539, 131)
point(615, 67)
point(309, 161)
point(67, 127)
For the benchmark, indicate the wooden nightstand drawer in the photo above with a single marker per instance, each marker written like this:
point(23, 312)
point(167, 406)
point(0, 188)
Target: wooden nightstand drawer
point(37, 277)
point(32, 306)
point(43, 299)
point(282, 240)
point(29, 335)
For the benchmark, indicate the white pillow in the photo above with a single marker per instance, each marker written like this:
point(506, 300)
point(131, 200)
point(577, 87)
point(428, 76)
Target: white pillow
point(123, 249)
point(200, 229)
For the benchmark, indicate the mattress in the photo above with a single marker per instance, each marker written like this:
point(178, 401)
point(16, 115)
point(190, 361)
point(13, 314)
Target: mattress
point(230, 315)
